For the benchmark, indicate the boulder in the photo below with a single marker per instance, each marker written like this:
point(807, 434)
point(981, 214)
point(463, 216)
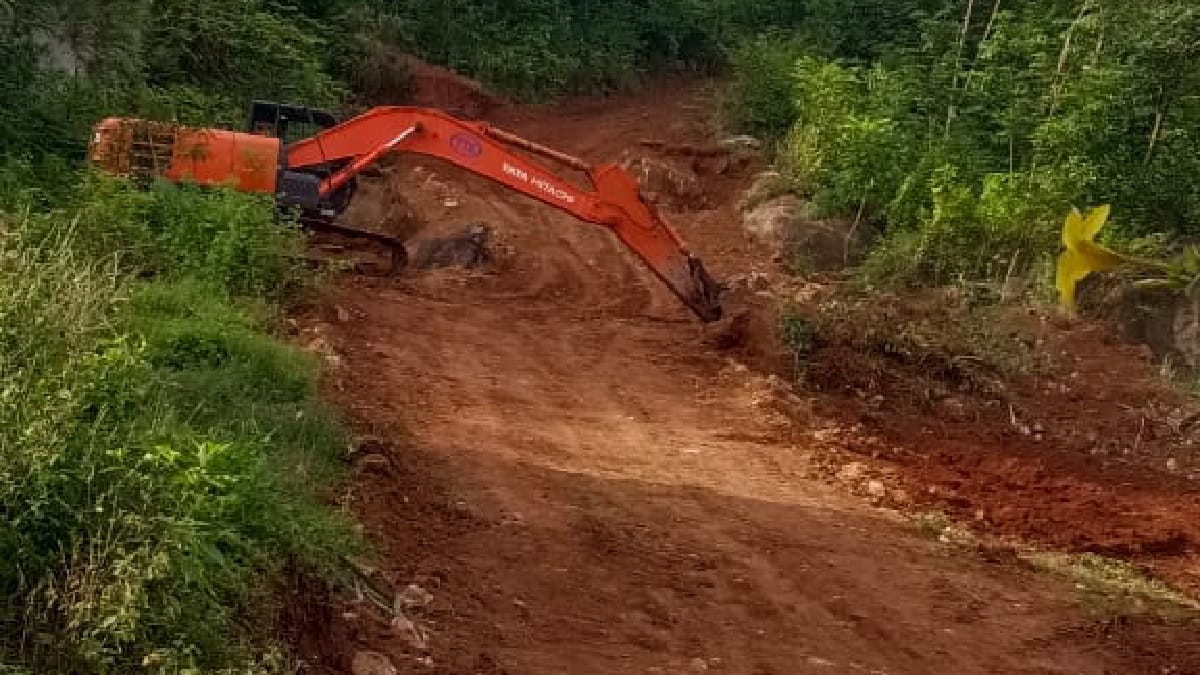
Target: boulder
point(827, 244)
point(805, 243)
point(666, 182)
point(470, 250)
point(774, 221)
point(766, 186)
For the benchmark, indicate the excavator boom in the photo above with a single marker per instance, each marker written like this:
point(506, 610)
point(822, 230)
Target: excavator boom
point(318, 173)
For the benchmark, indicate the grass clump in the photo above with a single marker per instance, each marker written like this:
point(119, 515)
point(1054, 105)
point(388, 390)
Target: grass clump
point(916, 350)
point(1114, 585)
point(161, 452)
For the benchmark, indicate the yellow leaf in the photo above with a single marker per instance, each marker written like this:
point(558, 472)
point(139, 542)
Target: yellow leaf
point(1073, 230)
point(1079, 229)
point(1071, 270)
point(1095, 221)
point(1099, 259)
point(1083, 256)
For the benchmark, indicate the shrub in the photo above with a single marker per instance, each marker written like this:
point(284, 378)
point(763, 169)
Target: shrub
point(1010, 225)
point(232, 240)
point(761, 98)
point(162, 454)
point(798, 335)
point(971, 133)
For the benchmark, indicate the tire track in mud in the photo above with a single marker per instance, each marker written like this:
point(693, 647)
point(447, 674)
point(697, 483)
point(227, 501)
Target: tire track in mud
point(584, 487)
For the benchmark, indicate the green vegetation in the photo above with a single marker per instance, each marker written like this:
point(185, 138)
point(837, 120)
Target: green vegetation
point(798, 335)
point(161, 452)
point(538, 48)
point(969, 129)
point(1115, 586)
point(66, 63)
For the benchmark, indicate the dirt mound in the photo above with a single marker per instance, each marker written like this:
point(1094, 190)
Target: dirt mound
point(381, 204)
point(391, 77)
point(438, 87)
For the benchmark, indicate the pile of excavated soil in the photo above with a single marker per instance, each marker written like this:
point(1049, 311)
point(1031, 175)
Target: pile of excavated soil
point(389, 76)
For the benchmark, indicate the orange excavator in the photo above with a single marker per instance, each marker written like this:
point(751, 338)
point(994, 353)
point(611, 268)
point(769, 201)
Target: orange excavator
point(310, 162)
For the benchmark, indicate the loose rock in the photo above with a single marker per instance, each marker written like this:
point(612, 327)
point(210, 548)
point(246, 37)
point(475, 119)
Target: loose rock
point(372, 663)
point(666, 182)
point(876, 489)
point(852, 472)
point(413, 597)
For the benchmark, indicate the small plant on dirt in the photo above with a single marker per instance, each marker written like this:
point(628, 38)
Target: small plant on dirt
point(798, 335)
point(1115, 586)
point(932, 524)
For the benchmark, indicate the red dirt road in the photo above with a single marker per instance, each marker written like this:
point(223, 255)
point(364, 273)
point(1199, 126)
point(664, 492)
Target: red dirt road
point(584, 486)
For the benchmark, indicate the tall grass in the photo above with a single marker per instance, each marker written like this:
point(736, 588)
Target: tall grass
point(160, 452)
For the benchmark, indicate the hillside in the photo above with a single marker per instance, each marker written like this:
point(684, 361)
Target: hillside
point(229, 445)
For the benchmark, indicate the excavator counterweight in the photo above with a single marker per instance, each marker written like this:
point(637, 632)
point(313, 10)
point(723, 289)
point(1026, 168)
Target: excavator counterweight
point(318, 173)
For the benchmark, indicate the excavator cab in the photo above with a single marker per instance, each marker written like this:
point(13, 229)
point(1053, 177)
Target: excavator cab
point(300, 189)
point(288, 123)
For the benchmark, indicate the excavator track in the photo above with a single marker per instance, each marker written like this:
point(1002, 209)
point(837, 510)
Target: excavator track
point(369, 253)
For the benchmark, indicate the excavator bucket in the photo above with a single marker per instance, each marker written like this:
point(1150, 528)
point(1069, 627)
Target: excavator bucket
point(643, 231)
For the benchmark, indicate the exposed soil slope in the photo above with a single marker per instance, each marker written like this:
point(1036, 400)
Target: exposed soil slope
point(584, 485)
point(1088, 449)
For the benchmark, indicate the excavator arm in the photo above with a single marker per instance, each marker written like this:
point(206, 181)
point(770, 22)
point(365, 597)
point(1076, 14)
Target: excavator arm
point(614, 200)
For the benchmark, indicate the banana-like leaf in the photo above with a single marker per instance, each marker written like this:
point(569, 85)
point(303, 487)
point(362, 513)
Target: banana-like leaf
point(1071, 270)
point(1081, 229)
point(1083, 256)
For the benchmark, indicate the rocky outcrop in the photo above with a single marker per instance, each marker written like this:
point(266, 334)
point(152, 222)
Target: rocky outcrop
point(1167, 320)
